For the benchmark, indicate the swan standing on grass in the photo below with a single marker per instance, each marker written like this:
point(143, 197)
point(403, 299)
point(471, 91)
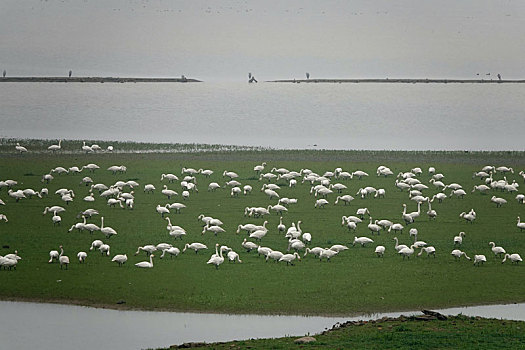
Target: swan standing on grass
point(520, 225)
point(327, 253)
point(432, 214)
point(398, 246)
point(145, 264)
point(406, 252)
point(289, 258)
point(53, 255)
point(498, 251)
point(63, 259)
point(362, 241)
point(498, 200)
point(456, 253)
point(104, 249)
point(469, 217)
point(82, 257)
point(479, 259)
point(55, 147)
point(172, 251)
point(168, 193)
point(56, 219)
point(149, 249)
point(195, 246)
point(459, 239)
point(120, 259)
point(20, 149)
point(514, 258)
point(216, 259)
point(107, 231)
point(249, 246)
point(232, 256)
point(429, 250)
point(380, 251)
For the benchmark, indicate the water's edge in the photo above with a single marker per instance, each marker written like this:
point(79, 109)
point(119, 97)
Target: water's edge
point(126, 329)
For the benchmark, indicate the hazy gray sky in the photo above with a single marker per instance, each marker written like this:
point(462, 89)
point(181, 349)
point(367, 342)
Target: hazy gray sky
point(224, 40)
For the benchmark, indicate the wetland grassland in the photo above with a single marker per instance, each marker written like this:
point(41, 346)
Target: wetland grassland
point(355, 281)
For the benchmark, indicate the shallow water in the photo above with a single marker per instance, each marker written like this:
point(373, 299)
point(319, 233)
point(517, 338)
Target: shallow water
point(55, 326)
point(329, 116)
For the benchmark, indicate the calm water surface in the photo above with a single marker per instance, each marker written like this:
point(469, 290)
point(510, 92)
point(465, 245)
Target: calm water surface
point(331, 116)
point(53, 326)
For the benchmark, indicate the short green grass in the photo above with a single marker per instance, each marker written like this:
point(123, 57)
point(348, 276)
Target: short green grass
point(355, 281)
point(459, 332)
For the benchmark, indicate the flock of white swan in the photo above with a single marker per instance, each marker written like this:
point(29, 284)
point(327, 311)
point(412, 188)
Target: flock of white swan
point(325, 189)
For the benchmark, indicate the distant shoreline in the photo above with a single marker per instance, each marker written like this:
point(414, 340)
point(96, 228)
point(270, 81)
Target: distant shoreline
point(95, 80)
point(401, 81)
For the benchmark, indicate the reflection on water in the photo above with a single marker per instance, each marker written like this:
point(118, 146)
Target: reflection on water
point(54, 326)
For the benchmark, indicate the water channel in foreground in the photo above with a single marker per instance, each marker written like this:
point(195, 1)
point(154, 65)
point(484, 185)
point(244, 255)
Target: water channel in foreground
point(54, 326)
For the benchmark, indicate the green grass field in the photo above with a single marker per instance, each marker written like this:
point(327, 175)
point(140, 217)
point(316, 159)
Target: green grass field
point(355, 281)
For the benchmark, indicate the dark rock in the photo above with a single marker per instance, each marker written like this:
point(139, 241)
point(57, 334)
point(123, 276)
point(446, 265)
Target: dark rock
point(439, 316)
point(188, 345)
point(121, 302)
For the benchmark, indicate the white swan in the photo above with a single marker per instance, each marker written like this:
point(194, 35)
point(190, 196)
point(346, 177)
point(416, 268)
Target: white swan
point(398, 246)
point(145, 264)
point(498, 251)
point(289, 258)
point(380, 251)
point(169, 177)
point(479, 259)
point(320, 203)
point(216, 259)
point(406, 252)
point(520, 225)
point(429, 250)
point(514, 258)
point(55, 147)
point(249, 246)
point(172, 251)
point(86, 148)
point(168, 193)
point(456, 253)
point(259, 234)
point(362, 241)
point(469, 217)
point(195, 246)
point(344, 198)
point(498, 200)
point(432, 214)
point(149, 249)
point(316, 251)
point(63, 259)
point(81, 257)
point(107, 231)
point(338, 248)
point(20, 149)
point(328, 254)
point(90, 227)
point(104, 249)
point(374, 227)
point(232, 256)
point(459, 238)
point(120, 259)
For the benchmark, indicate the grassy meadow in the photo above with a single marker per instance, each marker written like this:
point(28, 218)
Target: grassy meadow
point(355, 281)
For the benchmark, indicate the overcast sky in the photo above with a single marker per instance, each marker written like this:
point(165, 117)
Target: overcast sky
point(224, 40)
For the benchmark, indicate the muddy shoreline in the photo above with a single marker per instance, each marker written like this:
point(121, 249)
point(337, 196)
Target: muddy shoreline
point(95, 80)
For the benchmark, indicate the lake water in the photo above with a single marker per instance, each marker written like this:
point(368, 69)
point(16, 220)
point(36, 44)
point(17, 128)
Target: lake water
point(323, 116)
point(56, 327)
